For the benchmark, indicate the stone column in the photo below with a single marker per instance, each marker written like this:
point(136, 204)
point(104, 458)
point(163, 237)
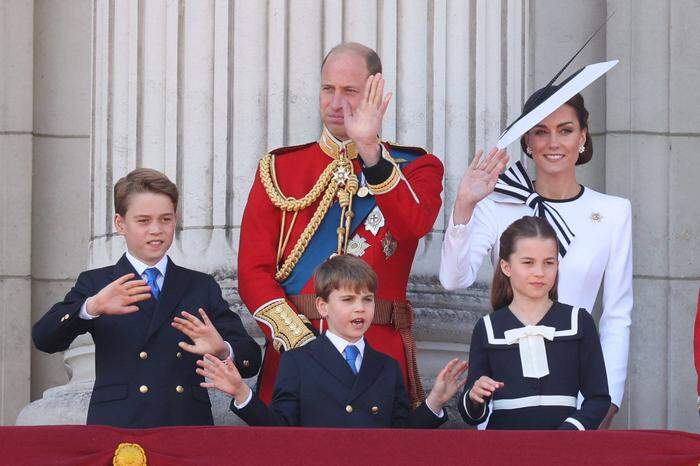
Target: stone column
point(16, 70)
point(651, 142)
point(202, 89)
point(60, 200)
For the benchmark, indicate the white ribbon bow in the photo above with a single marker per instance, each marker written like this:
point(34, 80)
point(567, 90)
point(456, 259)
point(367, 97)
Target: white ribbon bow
point(533, 355)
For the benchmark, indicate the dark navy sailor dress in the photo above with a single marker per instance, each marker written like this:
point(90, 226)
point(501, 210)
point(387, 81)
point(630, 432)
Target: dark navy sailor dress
point(561, 356)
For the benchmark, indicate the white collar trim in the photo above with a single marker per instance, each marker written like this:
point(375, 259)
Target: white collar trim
point(559, 333)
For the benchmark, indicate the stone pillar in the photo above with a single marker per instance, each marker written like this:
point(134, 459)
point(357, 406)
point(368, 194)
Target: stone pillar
point(202, 89)
point(16, 100)
point(651, 142)
point(60, 199)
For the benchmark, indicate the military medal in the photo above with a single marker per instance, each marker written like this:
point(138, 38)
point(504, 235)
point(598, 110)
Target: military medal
point(374, 221)
point(357, 246)
point(364, 190)
point(389, 245)
point(341, 175)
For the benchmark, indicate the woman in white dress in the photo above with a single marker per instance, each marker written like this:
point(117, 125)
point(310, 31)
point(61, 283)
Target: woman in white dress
point(594, 229)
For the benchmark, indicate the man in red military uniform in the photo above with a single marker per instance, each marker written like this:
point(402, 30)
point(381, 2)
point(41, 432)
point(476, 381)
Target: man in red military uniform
point(347, 193)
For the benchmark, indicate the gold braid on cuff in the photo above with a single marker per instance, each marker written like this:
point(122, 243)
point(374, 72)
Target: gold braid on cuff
point(286, 327)
point(391, 182)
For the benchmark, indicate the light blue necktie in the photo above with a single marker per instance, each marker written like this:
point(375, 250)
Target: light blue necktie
point(151, 279)
point(351, 352)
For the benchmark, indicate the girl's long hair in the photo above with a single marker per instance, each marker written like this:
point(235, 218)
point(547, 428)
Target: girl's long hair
point(526, 227)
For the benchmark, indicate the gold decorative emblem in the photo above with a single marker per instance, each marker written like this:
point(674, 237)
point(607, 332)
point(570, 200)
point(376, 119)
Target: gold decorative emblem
point(129, 454)
point(374, 221)
point(389, 245)
point(337, 180)
point(357, 246)
point(363, 191)
point(596, 217)
point(341, 175)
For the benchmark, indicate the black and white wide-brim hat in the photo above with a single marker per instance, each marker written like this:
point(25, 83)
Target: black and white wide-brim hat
point(545, 101)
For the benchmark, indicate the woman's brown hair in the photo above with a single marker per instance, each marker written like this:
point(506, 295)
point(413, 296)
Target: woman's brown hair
point(526, 227)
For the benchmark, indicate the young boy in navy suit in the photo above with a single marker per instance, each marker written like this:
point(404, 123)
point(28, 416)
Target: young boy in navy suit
point(337, 380)
point(145, 372)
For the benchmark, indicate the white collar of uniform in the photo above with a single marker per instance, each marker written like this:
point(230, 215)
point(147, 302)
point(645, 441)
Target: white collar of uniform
point(140, 267)
point(341, 343)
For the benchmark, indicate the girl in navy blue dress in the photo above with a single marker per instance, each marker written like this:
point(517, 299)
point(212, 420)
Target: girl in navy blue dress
point(533, 355)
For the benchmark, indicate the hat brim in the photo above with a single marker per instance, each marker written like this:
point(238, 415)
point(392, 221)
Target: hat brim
point(569, 88)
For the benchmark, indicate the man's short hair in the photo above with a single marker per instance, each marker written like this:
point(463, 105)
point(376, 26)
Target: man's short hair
point(374, 64)
point(142, 180)
point(344, 271)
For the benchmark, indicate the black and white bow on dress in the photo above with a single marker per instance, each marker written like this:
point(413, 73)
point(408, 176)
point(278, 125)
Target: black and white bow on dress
point(517, 187)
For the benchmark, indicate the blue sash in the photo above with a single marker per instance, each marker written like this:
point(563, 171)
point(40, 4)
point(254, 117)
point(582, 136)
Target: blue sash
point(325, 242)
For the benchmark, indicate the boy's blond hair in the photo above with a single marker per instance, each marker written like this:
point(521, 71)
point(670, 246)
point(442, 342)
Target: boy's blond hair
point(344, 271)
point(142, 180)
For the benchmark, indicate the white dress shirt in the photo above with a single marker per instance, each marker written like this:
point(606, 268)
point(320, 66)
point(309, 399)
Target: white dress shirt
point(600, 253)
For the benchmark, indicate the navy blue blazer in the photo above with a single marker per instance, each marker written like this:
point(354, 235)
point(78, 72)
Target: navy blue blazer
point(315, 387)
point(143, 379)
point(575, 361)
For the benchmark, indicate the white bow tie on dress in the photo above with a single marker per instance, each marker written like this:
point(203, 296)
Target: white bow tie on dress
point(533, 355)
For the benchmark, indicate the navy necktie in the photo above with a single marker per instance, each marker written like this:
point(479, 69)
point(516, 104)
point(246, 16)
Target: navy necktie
point(151, 279)
point(351, 352)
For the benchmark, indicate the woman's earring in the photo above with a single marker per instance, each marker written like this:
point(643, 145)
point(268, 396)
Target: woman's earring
point(582, 149)
point(528, 150)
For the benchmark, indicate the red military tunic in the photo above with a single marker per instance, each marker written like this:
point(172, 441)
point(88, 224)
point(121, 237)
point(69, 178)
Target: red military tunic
point(406, 186)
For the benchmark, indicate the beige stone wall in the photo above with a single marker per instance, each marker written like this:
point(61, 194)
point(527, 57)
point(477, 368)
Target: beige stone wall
point(61, 164)
point(16, 100)
point(652, 135)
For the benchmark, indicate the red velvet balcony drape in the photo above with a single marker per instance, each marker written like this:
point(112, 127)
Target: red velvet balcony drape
point(185, 446)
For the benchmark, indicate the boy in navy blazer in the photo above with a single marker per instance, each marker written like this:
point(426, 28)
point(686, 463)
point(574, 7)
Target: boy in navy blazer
point(337, 380)
point(145, 372)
